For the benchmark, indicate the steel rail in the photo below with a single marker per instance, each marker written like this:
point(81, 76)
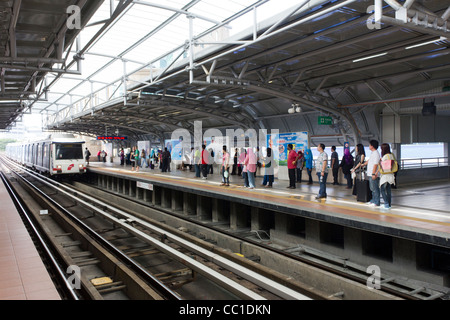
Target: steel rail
point(65, 286)
point(159, 286)
point(214, 276)
point(262, 281)
point(293, 256)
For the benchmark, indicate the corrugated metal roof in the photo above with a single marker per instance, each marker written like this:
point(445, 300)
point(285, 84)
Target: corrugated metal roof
point(33, 37)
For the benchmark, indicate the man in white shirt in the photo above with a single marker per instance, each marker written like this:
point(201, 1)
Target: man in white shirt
point(372, 170)
point(322, 171)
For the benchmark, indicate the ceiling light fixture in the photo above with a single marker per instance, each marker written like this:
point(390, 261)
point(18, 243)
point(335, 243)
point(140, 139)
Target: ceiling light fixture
point(370, 57)
point(295, 108)
point(426, 43)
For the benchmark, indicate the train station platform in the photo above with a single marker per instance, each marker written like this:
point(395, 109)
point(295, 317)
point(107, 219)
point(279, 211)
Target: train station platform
point(410, 240)
point(419, 212)
point(23, 275)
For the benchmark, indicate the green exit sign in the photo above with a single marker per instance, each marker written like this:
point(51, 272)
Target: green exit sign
point(325, 121)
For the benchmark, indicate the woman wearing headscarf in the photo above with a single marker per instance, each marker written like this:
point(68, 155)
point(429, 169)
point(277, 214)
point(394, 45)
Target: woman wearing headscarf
point(347, 165)
point(309, 164)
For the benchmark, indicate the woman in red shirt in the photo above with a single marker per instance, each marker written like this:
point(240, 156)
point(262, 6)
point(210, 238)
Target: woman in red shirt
point(204, 162)
point(292, 165)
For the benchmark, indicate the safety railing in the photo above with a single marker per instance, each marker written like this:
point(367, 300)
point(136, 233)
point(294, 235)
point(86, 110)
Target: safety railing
point(423, 163)
point(419, 163)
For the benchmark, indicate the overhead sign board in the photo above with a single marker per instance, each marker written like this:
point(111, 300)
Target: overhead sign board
point(111, 138)
point(327, 121)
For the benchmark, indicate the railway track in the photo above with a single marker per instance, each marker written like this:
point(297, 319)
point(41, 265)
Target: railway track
point(121, 256)
point(258, 247)
point(194, 268)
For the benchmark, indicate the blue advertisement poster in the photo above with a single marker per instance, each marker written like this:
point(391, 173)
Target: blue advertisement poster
point(175, 148)
point(279, 143)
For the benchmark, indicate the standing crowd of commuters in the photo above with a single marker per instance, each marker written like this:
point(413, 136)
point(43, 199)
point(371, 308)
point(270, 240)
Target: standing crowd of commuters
point(377, 171)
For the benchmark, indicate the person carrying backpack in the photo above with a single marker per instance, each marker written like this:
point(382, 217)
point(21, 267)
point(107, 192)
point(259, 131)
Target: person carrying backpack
point(387, 168)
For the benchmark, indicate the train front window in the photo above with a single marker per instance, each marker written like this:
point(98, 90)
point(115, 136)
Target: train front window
point(68, 151)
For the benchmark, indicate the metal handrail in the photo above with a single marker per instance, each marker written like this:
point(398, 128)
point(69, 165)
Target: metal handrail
point(417, 163)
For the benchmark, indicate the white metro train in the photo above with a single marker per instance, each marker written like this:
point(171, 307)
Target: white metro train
point(56, 155)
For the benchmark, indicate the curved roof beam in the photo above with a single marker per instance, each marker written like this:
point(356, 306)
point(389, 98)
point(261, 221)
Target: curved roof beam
point(179, 11)
point(183, 104)
point(97, 127)
point(291, 96)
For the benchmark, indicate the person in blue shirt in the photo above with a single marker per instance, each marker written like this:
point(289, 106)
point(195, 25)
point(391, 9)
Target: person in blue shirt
point(309, 164)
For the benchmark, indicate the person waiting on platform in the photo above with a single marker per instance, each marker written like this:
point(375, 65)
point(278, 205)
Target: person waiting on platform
point(87, 155)
point(335, 165)
point(322, 171)
point(309, 164)
point(242, 155)
point(292, 165)
point(210, 169)
point(132, 160)
point(103, 155)
point(137, 159)
point(388, 166)
point(143, 159)
point(204, 158)
point(347, 165)
point(165, 158)
point(358, 166)
point(242, 158)
point(235, 163)
point(300, 165)
point(122, 156)
point(372, 170)
point(191, 160)
point(268, 169)
point(250, 162)
point(225, 167)
point(197, 162)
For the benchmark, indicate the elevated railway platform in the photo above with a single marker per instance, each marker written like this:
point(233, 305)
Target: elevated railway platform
point(23, 275)
point(412, 237)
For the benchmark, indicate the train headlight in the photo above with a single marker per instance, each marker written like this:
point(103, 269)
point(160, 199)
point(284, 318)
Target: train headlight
point(59, 167)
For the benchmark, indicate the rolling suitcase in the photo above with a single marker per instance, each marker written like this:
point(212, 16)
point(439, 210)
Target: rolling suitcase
point(363, 193)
